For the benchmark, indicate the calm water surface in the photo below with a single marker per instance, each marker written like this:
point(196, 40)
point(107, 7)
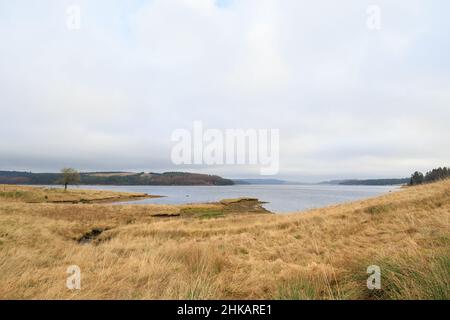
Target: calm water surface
point(279, 198)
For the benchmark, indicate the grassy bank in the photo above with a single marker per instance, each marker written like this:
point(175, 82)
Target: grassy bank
point(27, 194)
point(228, 250)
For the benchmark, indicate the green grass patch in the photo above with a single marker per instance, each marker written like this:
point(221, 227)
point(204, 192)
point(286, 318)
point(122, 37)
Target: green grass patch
point(312, 287)
point(378, 209)
point(203, 213)
point(411, 278)
point(298, 289)
point(212, 214)
point(236, 200)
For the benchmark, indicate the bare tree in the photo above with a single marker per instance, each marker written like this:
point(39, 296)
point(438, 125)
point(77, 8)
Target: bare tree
point(69, 176)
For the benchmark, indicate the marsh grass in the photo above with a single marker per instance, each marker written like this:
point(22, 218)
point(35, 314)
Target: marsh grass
point(30, 194)
point(312, 287)
point(378, 209)
point(212, 212)
point(212, 215)
point(172, 252)
point(413, 277)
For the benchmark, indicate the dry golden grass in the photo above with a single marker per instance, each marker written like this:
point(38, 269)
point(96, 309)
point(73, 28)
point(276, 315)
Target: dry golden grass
point(205, 251)
point(12, 193)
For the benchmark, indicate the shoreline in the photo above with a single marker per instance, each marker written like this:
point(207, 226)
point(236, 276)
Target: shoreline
point(274, 198)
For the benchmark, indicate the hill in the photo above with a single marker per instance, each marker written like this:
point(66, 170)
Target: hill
point(116, 178)
point(369, 182)
point(259, 181)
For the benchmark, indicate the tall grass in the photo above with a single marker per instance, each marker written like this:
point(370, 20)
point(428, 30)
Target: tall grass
point(203, 252)
point(414, 277)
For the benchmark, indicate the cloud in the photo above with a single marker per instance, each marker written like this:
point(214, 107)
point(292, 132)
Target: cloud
point(347, 100)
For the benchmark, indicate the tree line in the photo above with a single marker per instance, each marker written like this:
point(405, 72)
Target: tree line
point(70, 176)
point(431, 176)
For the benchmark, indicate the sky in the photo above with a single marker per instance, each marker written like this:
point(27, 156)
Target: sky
point(349, 100)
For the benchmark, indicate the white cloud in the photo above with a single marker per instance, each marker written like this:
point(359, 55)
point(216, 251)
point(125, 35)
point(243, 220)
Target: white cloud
point(347, 100)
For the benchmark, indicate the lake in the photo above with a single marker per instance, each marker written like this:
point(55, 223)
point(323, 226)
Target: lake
point(279, 198)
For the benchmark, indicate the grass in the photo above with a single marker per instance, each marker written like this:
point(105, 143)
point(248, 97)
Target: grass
point(307, 288)
point(378, 209)
point(58, 195)
point(415, 277)
point(211, 212)
point(225, 250)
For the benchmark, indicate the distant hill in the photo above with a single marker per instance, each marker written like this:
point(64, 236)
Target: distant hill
point(117, 178)
point(259, 181)
point(369, 182)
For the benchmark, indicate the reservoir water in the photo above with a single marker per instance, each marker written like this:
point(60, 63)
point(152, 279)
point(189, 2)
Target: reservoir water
point(278, 198)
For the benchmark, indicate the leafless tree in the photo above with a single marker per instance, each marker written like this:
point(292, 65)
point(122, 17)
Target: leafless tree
point(69, 176)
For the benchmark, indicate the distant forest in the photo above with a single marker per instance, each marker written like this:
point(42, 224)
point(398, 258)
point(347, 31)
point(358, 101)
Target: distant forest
point(375, 182)
point(431, 176)
point(116, 178)
point(368, 182)
point(416, 179)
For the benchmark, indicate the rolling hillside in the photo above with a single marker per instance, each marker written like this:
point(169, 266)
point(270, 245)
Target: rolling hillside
point(116, 178)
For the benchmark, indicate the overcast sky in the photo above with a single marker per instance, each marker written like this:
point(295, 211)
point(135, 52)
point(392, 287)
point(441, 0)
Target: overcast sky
point(349, 101)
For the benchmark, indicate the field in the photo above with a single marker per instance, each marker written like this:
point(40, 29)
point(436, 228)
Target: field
point(227, 250)
point(12, 193)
